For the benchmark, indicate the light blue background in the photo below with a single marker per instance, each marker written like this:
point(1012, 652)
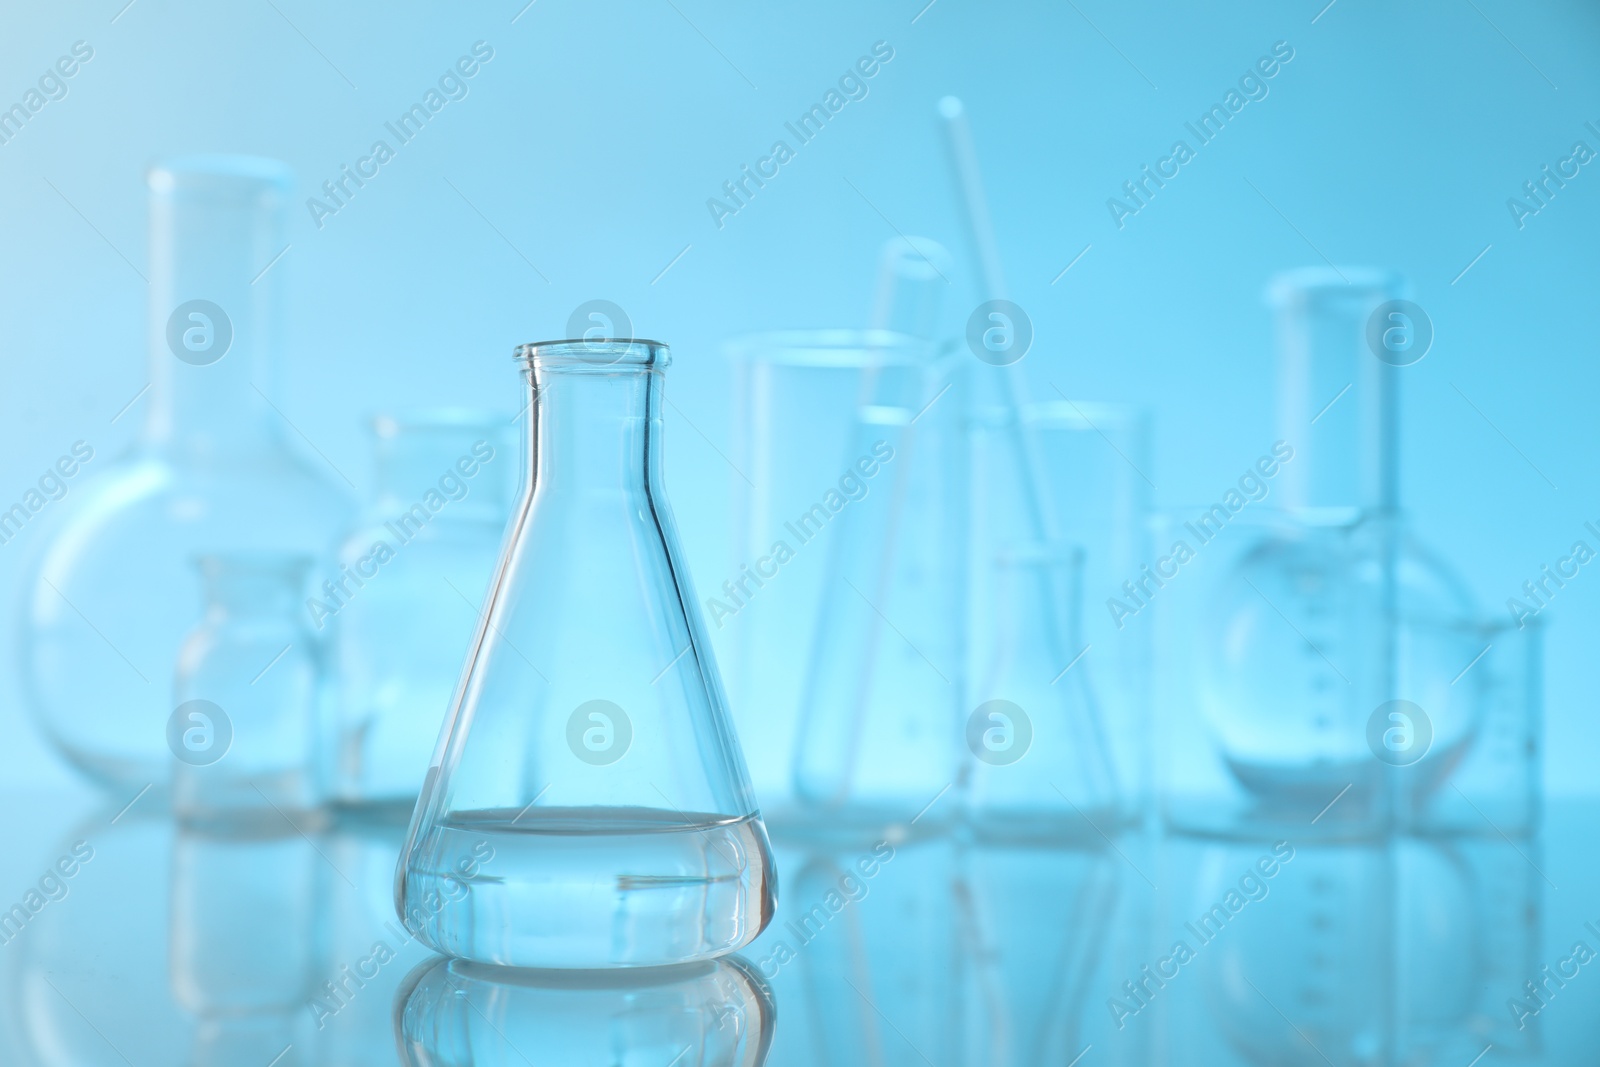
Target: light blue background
point(594, 137)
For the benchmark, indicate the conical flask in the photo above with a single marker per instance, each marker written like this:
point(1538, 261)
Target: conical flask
point(588, 804)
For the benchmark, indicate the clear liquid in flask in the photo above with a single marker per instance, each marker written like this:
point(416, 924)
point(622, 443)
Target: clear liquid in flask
point(610, 884)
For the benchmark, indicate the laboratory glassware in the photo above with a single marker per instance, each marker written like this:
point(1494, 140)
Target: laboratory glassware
point(717, 1013)
point(1286, 945)
point(848, 640)
point(1497, 786)
point(1058, 719)
point(250, 730)
point(247, 943)
point(1032, 983)
point(106, 945)
point(111, 595)
point(867, 943)
point(406, 594)
point(588, 805)
point(1338, 612)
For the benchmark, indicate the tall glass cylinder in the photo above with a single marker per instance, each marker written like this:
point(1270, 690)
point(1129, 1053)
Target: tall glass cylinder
point(846, 598)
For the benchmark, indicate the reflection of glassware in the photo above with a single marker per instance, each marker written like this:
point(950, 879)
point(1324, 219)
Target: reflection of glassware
point(365, 941)
point(1338, 611)
point(88, 977)
point(246, 943)
point(1365, 954)
point(865, 679)
point(253, 731)
point(866, 941)
point(410, 586)
point(107, 607)
point(1302, 967)
point(716, 1014)
point(1030, 982)
point(589, 750)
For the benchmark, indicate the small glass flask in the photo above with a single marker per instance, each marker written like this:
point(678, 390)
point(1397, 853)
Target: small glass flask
point(588, 804)
point(406, 596)
point(248, 732)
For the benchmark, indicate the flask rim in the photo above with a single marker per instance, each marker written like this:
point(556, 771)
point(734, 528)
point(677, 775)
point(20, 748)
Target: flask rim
point(599, 352)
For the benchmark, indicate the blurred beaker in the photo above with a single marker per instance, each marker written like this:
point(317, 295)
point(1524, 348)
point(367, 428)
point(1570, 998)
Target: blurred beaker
point(113, 592)
point(405, 599)
point(1058, 726)
point(250, 731)
point(454, 1013)
point(848, 636)
point(1496, 788)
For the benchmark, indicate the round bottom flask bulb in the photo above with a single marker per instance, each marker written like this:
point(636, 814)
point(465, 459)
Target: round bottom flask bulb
point(588, 804)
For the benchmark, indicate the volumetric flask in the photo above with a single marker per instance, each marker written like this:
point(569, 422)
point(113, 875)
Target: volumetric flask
point(1333, 641)
point(406, 592)
point(588, 804)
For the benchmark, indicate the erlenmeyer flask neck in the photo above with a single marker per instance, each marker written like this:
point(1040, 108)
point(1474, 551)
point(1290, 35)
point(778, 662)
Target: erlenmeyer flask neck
point(594, 422)
point(216, 228)
point(1338, 401)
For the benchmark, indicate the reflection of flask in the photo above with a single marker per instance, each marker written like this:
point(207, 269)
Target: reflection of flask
point(1338, 611)
point(589, 750)
point(246, 942)
point(1351, 954)
point(1294, 963)
point(1028, 980)
point(406, 598)
point(106, 609)
point(866, 941)
point(712, 1014)
point(251, 731)
point(87, 978)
